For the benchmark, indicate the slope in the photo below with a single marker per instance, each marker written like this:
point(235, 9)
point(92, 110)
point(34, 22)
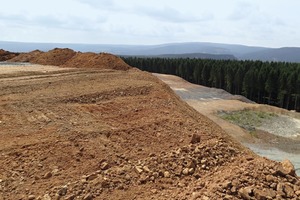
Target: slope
point(112, 134)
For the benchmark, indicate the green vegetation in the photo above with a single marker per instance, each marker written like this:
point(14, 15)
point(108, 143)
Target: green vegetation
point(274, 83)
point(248, 119)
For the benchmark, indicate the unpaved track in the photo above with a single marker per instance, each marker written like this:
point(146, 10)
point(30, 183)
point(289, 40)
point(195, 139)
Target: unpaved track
point(108, 134)
point(210, 101)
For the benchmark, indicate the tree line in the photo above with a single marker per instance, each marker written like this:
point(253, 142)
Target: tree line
point(273, 83)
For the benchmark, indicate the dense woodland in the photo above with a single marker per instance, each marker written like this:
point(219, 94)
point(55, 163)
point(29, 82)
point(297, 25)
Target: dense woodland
point(274, 83)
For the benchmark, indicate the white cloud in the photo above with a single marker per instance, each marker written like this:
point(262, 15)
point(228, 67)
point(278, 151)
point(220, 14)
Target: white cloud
point(169, 14)
point(251, 22)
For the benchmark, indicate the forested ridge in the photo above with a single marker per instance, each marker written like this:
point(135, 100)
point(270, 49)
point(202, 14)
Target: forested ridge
point(274, 83)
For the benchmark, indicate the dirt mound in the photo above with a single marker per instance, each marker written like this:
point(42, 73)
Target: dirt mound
point(26, 57)
point(69, 58)
point(55, 57)
point(93, 60)
point(6, 55)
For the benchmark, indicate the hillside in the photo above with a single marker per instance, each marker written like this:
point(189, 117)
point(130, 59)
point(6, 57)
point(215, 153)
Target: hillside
point(191, 56)
point(290, 54)
point(242, 52)
point(107, 133)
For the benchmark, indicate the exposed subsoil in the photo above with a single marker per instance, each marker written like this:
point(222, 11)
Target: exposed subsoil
point(101, 133)
point(6, 55)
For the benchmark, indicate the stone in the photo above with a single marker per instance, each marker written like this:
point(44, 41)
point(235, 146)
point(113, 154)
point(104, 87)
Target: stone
point(191, 170)
point(127, 177)
point(46, 197)
point(279, 189)
point(191, 164)
point(167, 174)
point(143, 179)
point(63, 191)
point(88, 197)
point(146, 169)
point(154, 191)
point(138, 169)
point(155, 174)
point(185, 171)
point(270, 178)
point(48, 175)
point(273, 185)
point(203, 161)
point(233, 190)
point(205, 198)
point(70, 197)
point(197, 150)
point(246, 192)
point(31, 197)
point(288, 167)
point(92, 177)
point(264, 194)
point(180, 184)
point(227, 185)
point(195, 195)
point(195, 138)
point(104, 166)
point(288, 190)
point(228, 197)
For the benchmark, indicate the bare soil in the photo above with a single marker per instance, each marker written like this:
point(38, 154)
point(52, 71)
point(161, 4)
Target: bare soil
point(93, 133)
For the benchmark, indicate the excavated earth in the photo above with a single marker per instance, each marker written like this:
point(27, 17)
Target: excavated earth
point(108, 131)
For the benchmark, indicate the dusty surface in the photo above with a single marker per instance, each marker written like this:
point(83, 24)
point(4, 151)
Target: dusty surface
point(21, 70)
point(110, 134)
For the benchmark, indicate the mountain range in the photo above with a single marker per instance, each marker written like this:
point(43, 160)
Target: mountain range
point(191, 50)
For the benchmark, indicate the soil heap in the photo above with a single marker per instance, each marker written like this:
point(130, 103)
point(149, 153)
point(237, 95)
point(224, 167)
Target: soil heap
point(6, 55)
point(113, 134)
point(93, 60)
point(55, 57)
point(69, 58)
point(26, 57)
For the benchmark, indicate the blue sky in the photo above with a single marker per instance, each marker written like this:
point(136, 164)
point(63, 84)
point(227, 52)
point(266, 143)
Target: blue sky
point(270, 23)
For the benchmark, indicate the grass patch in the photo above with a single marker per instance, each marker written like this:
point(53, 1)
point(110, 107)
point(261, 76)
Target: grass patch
point(247, 119)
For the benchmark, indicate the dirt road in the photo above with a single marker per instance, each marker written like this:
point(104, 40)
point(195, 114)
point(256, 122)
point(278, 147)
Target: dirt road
point(276, 138)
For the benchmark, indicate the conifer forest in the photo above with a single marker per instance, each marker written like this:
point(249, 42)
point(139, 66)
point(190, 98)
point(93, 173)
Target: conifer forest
point(273, 83)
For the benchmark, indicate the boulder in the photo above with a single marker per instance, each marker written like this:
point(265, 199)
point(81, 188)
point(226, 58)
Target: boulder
point(288, 167)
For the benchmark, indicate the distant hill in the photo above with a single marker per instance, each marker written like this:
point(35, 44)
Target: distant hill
point(242, 52)
point(289, 54)
point(191, 55)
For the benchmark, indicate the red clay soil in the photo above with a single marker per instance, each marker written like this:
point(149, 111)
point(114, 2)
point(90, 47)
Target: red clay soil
point(93, 60)
point(112, 134)
point(26, 57)
point(55, 57)
point(6, 55)
point(69, 58)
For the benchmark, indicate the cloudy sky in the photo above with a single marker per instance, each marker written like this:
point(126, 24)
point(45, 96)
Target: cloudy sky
point(270, 23)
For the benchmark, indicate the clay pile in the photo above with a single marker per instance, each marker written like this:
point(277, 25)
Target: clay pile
point(69, 58)
point(6, 55)
point(26, 57)
point(93, 60)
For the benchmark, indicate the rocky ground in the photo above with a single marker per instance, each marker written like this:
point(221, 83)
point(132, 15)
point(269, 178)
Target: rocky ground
point(100, 133)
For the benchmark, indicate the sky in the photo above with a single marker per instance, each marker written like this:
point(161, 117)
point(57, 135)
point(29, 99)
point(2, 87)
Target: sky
point(268, 23)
